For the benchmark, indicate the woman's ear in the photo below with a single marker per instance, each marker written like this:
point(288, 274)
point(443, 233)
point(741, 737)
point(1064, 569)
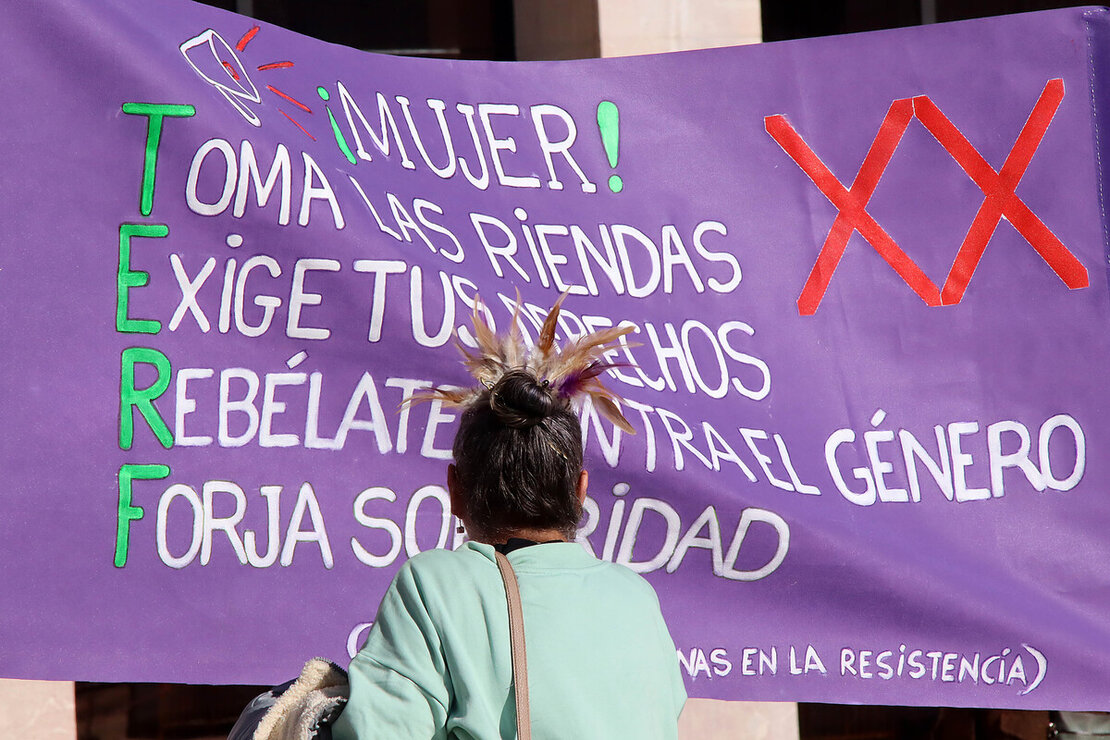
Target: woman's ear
point(454, 492)
point(583, 484)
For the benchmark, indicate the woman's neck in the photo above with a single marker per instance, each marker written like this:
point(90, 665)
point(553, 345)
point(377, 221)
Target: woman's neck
point(535, 535)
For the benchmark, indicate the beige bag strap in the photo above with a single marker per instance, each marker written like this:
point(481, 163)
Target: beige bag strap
point(516, 636)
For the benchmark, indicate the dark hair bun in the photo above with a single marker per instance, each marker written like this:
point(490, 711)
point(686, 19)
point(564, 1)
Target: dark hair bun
point(520, 401)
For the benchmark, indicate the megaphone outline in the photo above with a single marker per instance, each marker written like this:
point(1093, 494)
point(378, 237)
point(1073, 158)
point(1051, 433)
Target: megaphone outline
point(234, 95)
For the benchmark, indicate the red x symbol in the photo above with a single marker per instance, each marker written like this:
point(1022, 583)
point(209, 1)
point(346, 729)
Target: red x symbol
point(998, 189)
point(852, 206)
point(999, 196)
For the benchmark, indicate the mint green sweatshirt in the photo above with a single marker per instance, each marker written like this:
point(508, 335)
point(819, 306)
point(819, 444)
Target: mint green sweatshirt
point(437, 663)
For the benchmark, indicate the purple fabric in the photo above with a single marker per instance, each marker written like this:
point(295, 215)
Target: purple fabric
point(779, 581)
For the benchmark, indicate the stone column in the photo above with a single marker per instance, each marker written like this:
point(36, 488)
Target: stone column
point(37, 710)
point(630, 27)
point(652, 26)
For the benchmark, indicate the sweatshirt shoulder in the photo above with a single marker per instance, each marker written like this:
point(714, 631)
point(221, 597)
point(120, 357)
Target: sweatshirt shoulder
point(630, 578)
point(438, 564)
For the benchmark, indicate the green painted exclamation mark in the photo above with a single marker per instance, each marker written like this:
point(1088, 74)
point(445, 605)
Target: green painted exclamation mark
point(608, 122)
point(339, 138)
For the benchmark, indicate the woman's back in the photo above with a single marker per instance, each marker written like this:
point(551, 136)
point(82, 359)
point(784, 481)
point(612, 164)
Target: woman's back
point(437, 662)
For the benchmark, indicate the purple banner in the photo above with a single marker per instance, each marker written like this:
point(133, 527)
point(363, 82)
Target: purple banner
point(867, 275)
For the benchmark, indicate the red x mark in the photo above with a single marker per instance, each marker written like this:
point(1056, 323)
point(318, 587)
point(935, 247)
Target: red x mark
point(852, 206)
point(999, 196)
point(998, 188)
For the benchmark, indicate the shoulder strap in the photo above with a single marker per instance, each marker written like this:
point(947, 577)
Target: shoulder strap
point(516, 635)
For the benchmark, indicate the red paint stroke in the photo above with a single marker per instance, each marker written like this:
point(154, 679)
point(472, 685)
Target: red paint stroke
point(230, 70)
point(274, 65)
point(999, 198)
point(246, 38)
point(292, 100)
point(851, 205)
point(302, 128)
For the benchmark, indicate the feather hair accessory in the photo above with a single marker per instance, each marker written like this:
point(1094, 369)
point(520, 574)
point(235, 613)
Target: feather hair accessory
point(569, 373)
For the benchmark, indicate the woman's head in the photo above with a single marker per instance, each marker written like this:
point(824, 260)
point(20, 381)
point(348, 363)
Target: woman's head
point(518, 451)
point(518, 459)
